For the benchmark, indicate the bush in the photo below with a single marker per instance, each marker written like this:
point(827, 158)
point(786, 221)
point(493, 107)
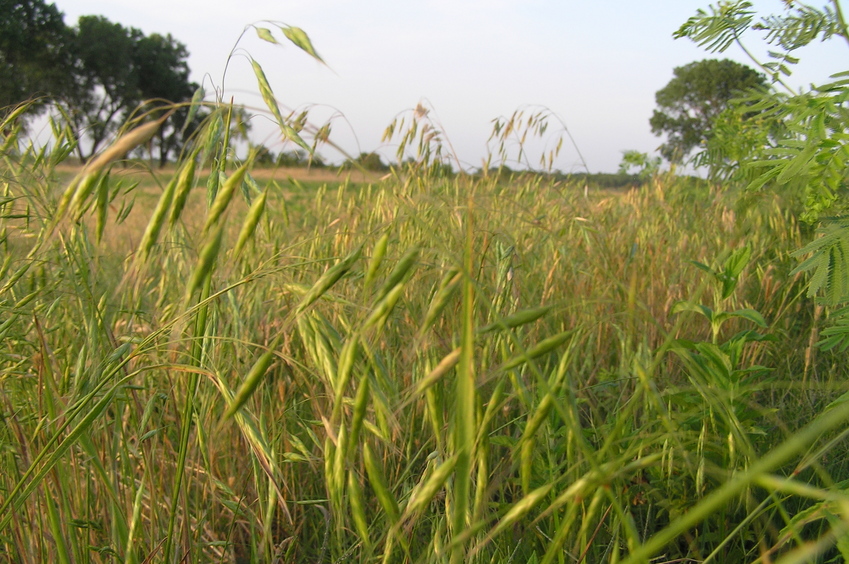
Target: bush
point(369, 161)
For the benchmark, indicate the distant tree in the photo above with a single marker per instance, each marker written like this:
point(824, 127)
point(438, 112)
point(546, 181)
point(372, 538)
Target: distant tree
point(34, 55)
point(296, 158)
point(644, 165)
point(694, 98)
point(162, 76)
point(370, 161)
point(263, 156)
point(107, 80)
point(117, 69)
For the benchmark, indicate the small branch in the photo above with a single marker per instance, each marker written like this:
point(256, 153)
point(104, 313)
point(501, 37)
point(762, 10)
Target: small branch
point(844, 31)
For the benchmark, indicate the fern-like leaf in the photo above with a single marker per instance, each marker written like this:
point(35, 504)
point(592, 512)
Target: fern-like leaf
point(829, 262)
point(837, 336)
point(718, 30)
point(801, 27)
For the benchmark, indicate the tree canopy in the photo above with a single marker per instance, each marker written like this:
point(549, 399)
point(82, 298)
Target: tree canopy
point(35, 57)
point(694, 98)
point(107, 79)
point(163, 78)
point(118, 69)
point(98, 71)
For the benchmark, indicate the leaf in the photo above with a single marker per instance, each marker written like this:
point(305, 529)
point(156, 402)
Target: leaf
point(764, 178)
point(543, 347)
point(830, 255)
point(750, 314)
point(702, 266)
point(716, 358)
point(517, 319)
point(738, 261)
point(380, 486)
point(798, 164)
point(717, 31)
point(697, 308)
point(836, 336)
point(842, 541)
point(801, 27)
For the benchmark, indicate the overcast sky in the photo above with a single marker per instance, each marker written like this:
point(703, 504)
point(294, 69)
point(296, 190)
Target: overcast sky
point(596, 65)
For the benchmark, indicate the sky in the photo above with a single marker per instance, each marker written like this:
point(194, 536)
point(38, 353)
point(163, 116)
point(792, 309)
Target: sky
point(593, 66)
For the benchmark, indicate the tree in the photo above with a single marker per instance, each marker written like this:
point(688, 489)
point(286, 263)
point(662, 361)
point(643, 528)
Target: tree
point(163, 80)
point(694, 98)
point(34, 55)
point(645, 166)
point(118, 68)
point(368, 161)
point(107, 80)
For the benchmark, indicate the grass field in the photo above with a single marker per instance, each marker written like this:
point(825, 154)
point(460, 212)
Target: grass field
point(409, 368)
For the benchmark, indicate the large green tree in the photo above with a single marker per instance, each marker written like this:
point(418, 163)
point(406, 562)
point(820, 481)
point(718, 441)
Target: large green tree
point(689, 105)
point(118, 69)
point(163, 79)
point(107, 80)
point(34, 52)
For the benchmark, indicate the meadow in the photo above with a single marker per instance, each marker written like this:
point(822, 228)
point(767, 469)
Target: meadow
point(243, 366)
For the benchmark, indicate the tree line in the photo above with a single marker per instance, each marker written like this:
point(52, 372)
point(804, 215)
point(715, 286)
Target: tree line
point(98, 73)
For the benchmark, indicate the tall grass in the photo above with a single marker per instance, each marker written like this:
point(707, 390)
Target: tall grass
point(427, 368)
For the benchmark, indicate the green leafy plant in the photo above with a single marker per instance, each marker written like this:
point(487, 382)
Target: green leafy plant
point(645, 166)
point(718, 366)
point(796, 139)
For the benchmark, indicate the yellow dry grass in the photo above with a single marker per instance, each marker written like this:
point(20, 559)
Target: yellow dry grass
point(124, 236)
point(141, 171)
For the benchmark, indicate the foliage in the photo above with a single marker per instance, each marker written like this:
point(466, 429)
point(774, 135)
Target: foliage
point(368, 161)
point(691, 102)
point(107, 80)
point(799, 135)
point(163, 79)
point(799, 139)
point(34, 52)
point(298, 159)
point(118, 69)
point(303, 376)
point(720, 368)
point(645, 166)
point(98, 72)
